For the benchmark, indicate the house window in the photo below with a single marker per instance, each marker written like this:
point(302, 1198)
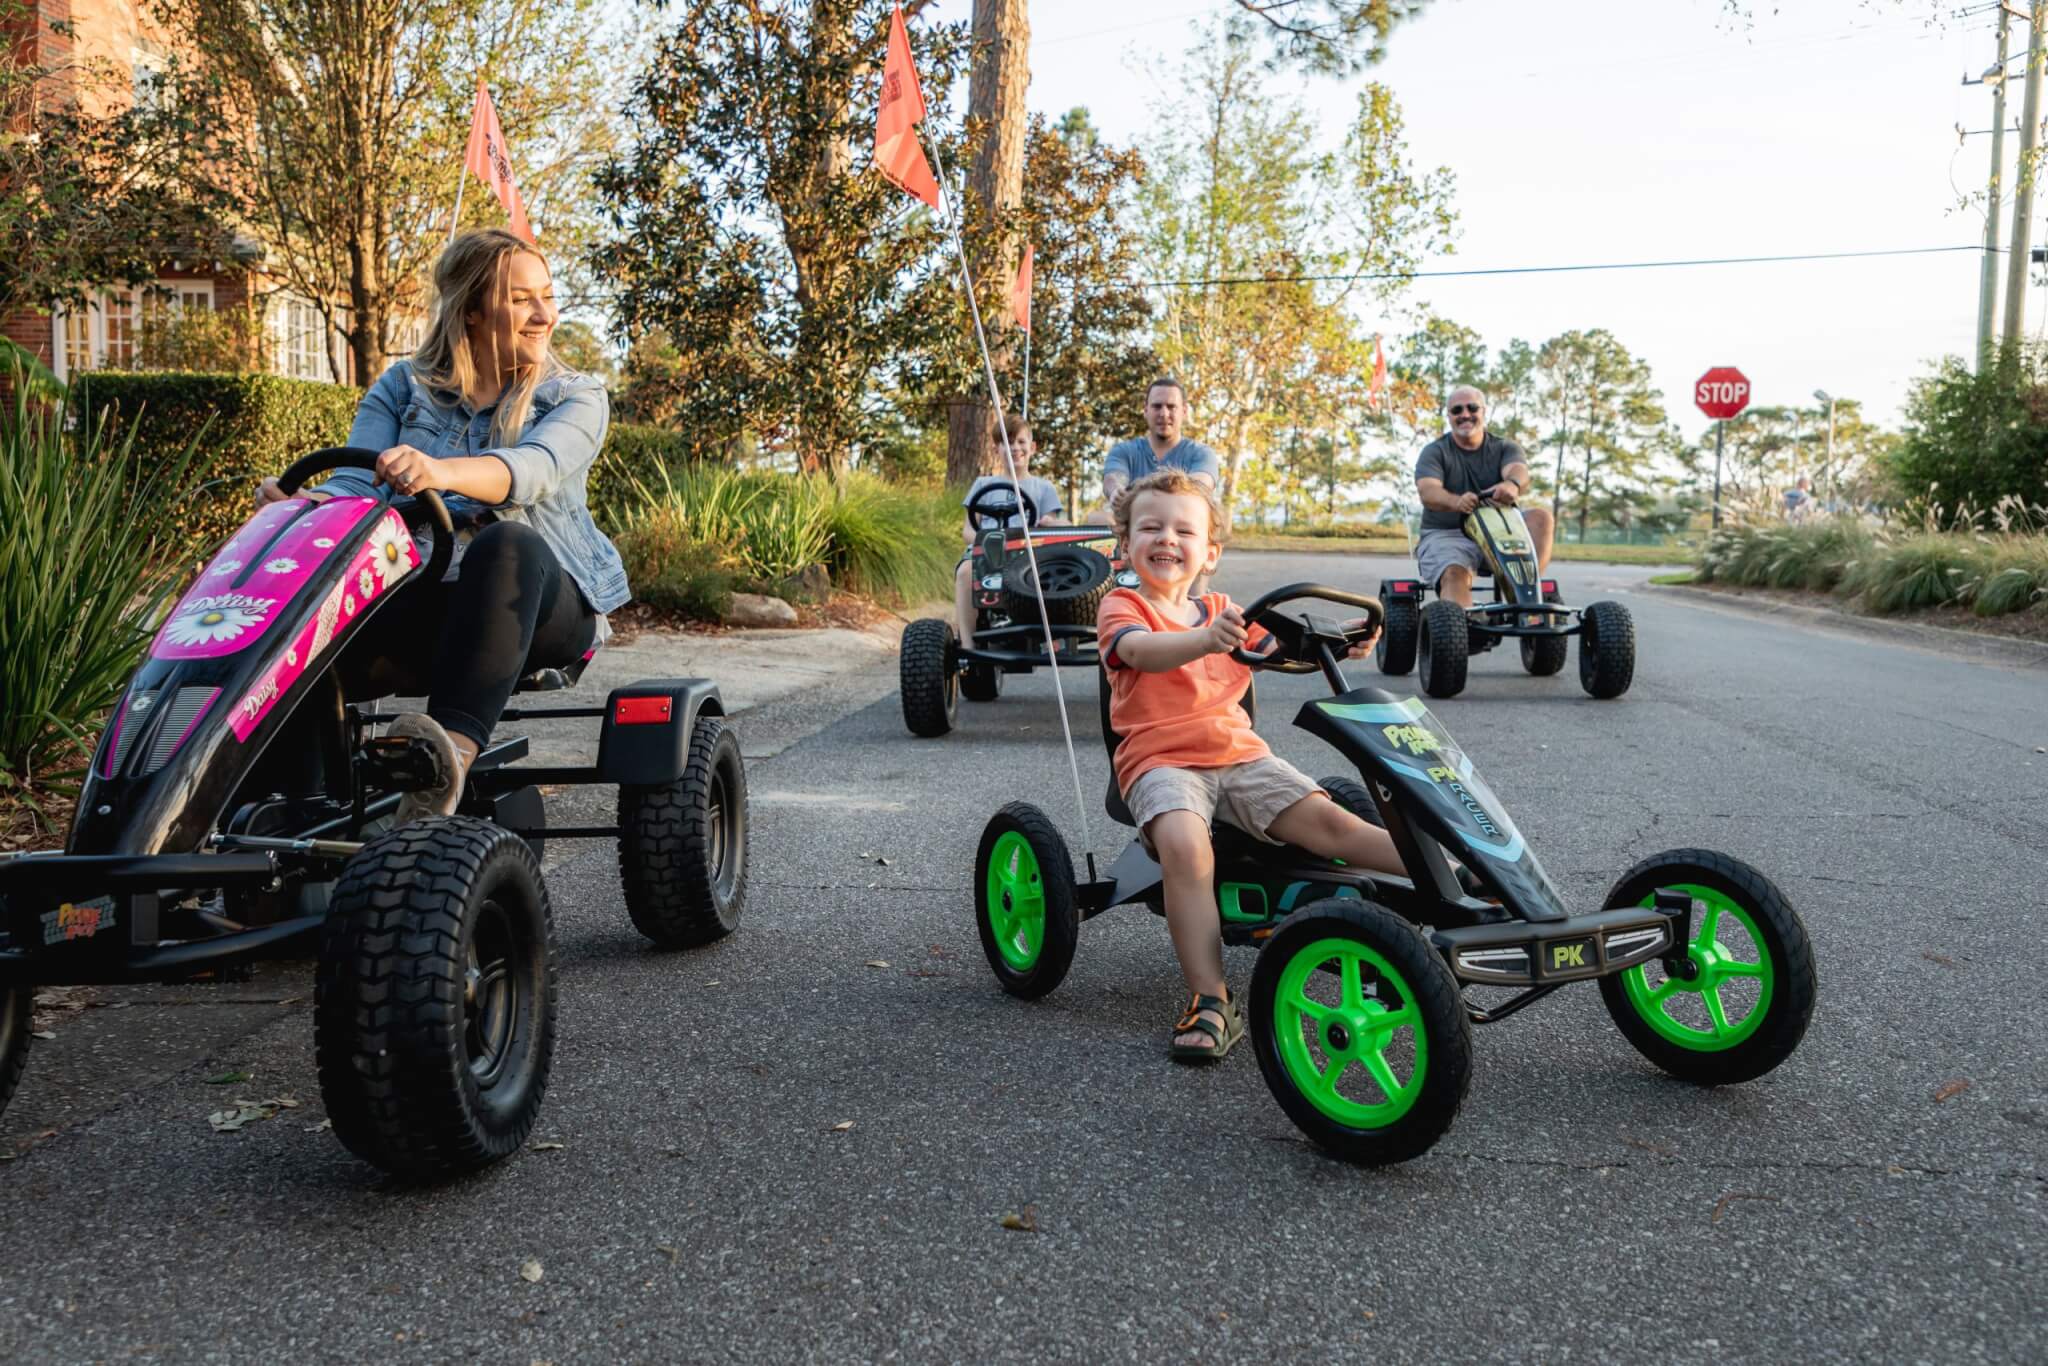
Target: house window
point(102, 334)
point(301, 339)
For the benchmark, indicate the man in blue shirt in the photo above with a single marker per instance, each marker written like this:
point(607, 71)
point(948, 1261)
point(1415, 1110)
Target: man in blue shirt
point(1166, 408)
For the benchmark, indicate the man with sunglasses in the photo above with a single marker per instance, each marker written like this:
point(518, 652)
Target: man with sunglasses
point(1455, 473)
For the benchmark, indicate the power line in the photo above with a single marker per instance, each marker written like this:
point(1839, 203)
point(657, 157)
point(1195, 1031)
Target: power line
point(1547, 270)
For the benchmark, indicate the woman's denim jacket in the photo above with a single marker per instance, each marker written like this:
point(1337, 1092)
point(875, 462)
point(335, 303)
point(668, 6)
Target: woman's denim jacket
point(550, 465)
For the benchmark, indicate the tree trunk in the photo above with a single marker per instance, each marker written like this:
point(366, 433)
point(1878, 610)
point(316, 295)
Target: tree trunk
point(995, 184)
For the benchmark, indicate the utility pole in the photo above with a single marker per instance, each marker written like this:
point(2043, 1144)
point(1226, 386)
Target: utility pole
point(1987, 285)
point(2023, 190)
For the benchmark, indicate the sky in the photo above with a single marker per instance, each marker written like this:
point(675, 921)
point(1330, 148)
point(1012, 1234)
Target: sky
point(1588, 131)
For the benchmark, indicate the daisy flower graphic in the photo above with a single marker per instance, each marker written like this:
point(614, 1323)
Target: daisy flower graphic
point(215, 619)
point(283, 564)
point(365, 584)
point(324, 542)
point(227, 566)
point(387, 550)
point(348, 606)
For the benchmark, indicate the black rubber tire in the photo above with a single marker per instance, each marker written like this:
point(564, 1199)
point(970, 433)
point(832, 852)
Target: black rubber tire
point(1443, 649)
point(394, 1019)
point(1607, 650)
point(16, 1029)
point(1545, 655)
point(1444, 1026)
point(1354, 797)
point(981, 682)
point(929, 677)
point(1394, 652)
point(1793, 989)
point(683, 845)
point(1077, 580)
point(1055, 881)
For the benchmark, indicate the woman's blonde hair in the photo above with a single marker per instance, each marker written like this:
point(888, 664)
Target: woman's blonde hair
point(469, 275)
point(1170, 479)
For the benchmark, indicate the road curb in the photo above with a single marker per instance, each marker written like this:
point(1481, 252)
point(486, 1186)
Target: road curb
point(2025, 654)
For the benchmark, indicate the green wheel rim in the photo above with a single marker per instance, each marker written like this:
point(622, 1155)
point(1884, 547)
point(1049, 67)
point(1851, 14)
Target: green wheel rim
point(1353, 1033)
point(1717, 966)
point(1014, 901)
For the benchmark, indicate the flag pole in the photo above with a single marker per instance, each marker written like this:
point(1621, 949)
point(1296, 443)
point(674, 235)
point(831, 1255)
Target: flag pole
point(460, 185)
point(1027, 362)
point(988, 369)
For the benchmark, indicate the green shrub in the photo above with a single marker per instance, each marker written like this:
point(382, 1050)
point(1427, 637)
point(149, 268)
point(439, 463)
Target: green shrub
point(631, 451)
point(1974, 437)
point(891, 542)
point(2015, 575)
point(254, 426)
point(673, 568)
point(1929, 569)
point(88, 565)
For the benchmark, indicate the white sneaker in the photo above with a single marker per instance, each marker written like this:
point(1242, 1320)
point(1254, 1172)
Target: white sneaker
point(433, 801)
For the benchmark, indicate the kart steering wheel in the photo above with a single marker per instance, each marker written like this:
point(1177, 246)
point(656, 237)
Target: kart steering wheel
point(426, 505)
point(982, 508)
point(1297, 635)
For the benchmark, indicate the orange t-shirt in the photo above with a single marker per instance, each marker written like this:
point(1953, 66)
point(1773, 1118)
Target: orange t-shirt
point(1178, 718)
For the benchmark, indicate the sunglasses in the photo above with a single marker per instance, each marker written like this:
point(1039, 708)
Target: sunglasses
point(1459, 408)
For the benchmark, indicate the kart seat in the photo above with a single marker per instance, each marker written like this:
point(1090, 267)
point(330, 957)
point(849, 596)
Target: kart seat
point(554, 680)
point(1113, 799)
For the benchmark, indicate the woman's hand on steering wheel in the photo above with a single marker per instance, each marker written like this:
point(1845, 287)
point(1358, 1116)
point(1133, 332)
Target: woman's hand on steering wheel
point(269, 492)
point(410, 471)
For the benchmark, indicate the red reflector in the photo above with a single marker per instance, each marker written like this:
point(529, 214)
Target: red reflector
point(1550, 585)
point(644, 711)
point(1404, 586)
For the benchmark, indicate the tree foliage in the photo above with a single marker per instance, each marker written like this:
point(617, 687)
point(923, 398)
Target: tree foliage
point(1240, 193)
point(745, 223)
point(1975, 437)
point(338, 129)
point(1332, 37)
point(95, 189)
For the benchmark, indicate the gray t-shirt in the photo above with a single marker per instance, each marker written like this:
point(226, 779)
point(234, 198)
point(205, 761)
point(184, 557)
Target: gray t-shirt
point(1464, 471)
point(1134, 460)
point(1043, 493)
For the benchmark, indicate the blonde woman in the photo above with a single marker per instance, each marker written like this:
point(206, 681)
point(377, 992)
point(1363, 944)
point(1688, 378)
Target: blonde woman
point(484, 414)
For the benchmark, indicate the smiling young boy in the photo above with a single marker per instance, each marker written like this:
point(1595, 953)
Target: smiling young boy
point(1188, 749)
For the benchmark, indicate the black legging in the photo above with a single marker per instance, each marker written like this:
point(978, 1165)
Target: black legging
point(511, 610)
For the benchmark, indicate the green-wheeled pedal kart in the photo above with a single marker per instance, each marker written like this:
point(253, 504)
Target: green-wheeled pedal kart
point(1438, 639)
point(1367, 984)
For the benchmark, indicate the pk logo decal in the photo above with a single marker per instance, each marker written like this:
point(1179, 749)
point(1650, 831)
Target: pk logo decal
point(1568, 955)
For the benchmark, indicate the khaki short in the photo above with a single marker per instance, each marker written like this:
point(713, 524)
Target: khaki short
point(1250, 795)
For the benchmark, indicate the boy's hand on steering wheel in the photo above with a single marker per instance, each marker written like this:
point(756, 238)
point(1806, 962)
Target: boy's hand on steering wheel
point(1227, 631)
point(1360, 649)
point(409, 470)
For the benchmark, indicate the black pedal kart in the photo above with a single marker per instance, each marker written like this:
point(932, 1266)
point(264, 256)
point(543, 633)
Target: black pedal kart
point(238, 808)
point(1437, 639)
point(1076, 567)
point(1362, 999)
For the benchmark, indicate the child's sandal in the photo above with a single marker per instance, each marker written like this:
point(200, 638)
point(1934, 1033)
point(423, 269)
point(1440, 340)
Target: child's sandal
point(1195, 1022)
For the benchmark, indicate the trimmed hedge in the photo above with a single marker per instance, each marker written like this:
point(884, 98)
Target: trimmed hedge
point(255, 425)
point(258, 424)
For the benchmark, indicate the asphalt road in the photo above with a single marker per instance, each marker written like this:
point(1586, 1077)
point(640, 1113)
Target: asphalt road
point(705, 1203)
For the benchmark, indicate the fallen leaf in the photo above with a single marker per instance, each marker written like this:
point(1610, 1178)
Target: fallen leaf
point(1026, 1222)
point(668, 1252)
point(1950, 1090)
point(1367, 1312)
point(1943, 959)
point(530, 1272)
point(878, 962)
point(884, 862)
point(842, 1126)
point(44, 1034)
point(549, 1147)
point(321, 1127)
point(281, 1102)
point(226, 1078)
point(714, 982)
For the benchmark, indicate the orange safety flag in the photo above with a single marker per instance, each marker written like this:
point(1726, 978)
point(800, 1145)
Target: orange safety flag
point(492, 164)
point(897, 154)
point(1379, 372)
point(1020, 292)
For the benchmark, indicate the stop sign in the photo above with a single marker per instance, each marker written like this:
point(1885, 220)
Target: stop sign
point(1722, 392)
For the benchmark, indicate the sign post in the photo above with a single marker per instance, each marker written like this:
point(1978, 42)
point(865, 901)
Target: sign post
point(1721, 393)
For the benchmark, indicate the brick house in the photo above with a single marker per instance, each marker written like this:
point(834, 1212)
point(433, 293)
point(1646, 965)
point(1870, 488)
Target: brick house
point(103, 333)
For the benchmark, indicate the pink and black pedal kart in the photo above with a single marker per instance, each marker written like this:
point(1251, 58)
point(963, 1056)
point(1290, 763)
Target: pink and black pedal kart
point(240, 808)
point(1070, 570)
